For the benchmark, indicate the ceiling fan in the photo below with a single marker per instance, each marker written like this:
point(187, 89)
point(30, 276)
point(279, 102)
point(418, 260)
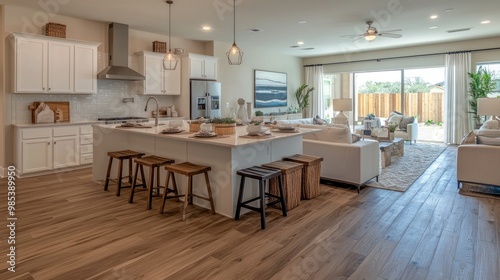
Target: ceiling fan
point(371, 33)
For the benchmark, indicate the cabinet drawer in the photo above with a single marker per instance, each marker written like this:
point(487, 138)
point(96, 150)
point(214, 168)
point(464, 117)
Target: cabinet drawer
point(86, 149)
point(36, 133)
point(65, 131)
point(86, 139)
point(85, 159)
point(86, 129)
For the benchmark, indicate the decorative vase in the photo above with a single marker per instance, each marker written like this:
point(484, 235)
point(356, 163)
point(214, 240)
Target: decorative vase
point(242, 112)
point(391, 136)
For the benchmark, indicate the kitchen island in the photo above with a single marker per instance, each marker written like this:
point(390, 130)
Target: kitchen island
point(225, 154)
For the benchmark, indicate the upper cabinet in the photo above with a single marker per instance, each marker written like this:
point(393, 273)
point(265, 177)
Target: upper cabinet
point(53, 65)
point(158, 80)
point(202, 67)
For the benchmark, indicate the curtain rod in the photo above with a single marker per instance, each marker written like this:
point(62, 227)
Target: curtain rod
point(398, 57)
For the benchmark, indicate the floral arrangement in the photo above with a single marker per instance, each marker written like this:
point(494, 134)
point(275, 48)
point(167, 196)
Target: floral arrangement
point(392, 126)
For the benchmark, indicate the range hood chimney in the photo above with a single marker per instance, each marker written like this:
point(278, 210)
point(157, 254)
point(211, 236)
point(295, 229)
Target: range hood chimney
point(118, 56)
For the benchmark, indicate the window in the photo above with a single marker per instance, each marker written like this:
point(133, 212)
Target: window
point(494, 68)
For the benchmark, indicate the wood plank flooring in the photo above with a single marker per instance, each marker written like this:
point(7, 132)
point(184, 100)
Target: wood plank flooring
point(69, 228)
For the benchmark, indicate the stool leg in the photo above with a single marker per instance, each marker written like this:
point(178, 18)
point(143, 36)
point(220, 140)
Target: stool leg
point(176, 191)
point(240, 198)
point(282, 195)
point(143, 177)
point(120, 166)
point(132, 189)
point(262, 193)
point(209, 189)
point(108, 173)
point(164, 197)
point(186, 198)
point(190, 190)
point(150, 186)
point(130, 171)
point(158, 186)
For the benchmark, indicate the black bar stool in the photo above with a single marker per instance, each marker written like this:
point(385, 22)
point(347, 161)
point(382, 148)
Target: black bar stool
point(154, 163)
point(121, 156)
point(262, 174)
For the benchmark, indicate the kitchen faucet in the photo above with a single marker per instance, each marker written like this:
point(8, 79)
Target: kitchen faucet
point(157, 108)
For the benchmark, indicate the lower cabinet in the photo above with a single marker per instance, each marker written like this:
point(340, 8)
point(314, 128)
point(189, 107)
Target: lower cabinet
point(52, 148)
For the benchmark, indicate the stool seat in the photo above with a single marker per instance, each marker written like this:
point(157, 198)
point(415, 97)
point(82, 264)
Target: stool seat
point(121, 156)
point(188, 169)
point(154, 163)
point(262, 174)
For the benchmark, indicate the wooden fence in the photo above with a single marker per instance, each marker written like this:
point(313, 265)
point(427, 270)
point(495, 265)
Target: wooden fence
point(427, 106)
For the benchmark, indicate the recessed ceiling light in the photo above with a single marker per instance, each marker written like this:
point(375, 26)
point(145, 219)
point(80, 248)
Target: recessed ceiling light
point(302, 21)
point(300, 42)
point(433, 27)
point(255, 30)
point(206, 28)
point(433, 17)
point(485, 22)
point(448, 10)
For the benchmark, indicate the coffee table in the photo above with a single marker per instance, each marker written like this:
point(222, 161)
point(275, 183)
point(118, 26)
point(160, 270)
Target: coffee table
point(391, 148)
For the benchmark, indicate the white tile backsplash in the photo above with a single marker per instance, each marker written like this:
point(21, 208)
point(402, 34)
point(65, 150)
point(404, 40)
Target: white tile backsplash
point(108, 102)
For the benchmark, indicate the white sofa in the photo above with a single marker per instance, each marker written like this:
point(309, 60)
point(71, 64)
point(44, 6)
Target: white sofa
point(343, 161)
point(478, 162)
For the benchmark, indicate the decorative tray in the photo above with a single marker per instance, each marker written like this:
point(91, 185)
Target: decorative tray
point(171, 131)
point(294, 130)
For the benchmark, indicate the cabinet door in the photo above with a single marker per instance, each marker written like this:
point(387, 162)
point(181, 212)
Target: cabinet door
point(154, 75)
point(85, 69)
point(210, 69)
point(37, 155)
point(30, 65)
point(196, 68)
point(65, 151)
point(60, 67)
point(172, 81)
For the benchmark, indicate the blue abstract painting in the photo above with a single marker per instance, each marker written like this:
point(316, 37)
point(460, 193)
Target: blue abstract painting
point(270, 89)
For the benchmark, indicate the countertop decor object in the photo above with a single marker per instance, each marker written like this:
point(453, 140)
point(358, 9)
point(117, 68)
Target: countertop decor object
point(62, 107)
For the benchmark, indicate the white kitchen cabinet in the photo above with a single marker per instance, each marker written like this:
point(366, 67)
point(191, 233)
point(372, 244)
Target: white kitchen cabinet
point(65, 146)
point(86, 144)
point(158, 80)
point(202, 67)
point(36, 155)
point(53, 65)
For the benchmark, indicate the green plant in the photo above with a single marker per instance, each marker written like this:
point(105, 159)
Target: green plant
point(222, 120)
point(392, 126)
point(302, 95)
point(481, 83)
point(256, 122)
point(259, 113)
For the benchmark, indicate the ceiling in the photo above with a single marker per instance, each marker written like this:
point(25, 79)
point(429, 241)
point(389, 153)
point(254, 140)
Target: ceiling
point(326, 21)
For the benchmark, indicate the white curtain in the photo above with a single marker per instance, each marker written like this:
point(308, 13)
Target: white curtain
point(314, 78)
point(456, 100)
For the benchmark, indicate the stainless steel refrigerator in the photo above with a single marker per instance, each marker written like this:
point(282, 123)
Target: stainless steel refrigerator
point(205, 99)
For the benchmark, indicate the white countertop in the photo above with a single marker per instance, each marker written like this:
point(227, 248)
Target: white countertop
point(32, 125)
point(233, 140)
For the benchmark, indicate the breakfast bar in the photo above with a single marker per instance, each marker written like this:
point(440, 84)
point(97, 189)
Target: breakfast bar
point(225, 154)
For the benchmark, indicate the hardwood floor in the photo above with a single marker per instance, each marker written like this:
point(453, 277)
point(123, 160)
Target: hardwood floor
point(69, 228)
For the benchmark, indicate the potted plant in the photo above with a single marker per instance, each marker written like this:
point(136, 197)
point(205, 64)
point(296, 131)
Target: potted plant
point(223, 125)
point(302, 95)
point(392, 127)
point(481, 83)
point(259, 113)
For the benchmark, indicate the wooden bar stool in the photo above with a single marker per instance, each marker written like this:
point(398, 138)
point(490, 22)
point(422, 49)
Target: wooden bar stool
point(121, 156)
point(188, 169)
point(311, 173)
point(262, 174)
point(154, 163)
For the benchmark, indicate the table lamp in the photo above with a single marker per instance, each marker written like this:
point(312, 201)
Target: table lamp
point(342, 104)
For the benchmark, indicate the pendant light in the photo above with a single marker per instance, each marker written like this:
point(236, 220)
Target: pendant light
point(169, 61)
point(234, 55)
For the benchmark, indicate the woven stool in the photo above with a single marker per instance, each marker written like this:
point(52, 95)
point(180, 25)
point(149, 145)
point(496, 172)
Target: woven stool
point(189, 170)
point(291, 173)
point(154, 163)
point(121, 156)
point(310, 174)
point(262, 174)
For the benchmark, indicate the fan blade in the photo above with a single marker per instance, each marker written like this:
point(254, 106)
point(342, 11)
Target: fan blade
point(390, 35)
point(389, 31)
point(352, 35)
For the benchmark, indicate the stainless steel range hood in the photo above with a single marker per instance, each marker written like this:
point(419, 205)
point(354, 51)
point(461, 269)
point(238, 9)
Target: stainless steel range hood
point(118, 56)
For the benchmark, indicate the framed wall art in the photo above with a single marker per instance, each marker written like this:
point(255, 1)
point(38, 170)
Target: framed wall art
point(270, 89)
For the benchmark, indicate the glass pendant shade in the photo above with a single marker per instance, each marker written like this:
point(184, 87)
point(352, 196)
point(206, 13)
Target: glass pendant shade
point(370, 37)
point(169, 61)
point(234, 55)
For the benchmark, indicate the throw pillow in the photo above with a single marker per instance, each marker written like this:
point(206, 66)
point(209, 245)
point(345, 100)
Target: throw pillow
point(405, 121)
point(355, 138)
point(395, 119)
point(470, 138)
point(488, 140)
point(491, 124)
point(318, 120)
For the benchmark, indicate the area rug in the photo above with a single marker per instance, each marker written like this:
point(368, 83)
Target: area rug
point(404, 170)
point(479, 190)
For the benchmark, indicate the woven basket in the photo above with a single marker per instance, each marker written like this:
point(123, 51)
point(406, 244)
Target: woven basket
point(291, 188)
point(224, 128)
point(55, 30)
point(159, 47)
point(194, 126)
